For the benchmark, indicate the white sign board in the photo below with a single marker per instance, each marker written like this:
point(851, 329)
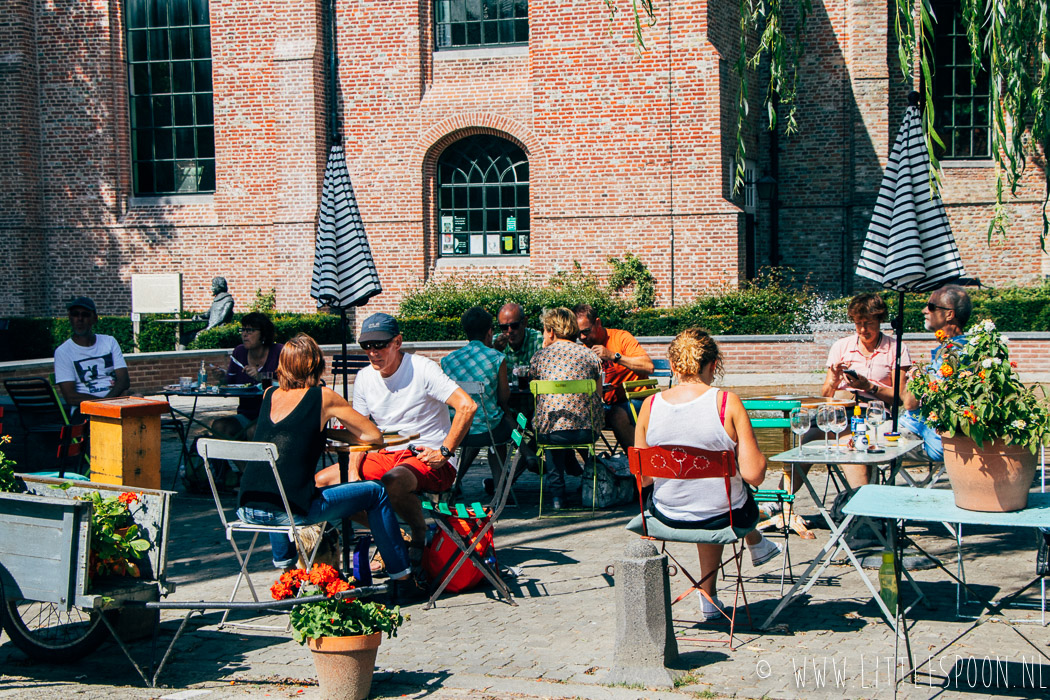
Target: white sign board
point(156, 294)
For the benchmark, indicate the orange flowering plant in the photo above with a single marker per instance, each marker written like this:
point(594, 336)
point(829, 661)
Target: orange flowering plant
point(976, 391)
point(115, 538)
point(337, 615)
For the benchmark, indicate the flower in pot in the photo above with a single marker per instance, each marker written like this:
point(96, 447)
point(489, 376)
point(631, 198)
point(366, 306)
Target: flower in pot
point(116, 543)
point(343, 633)
point(990, 423)
point(9, 481)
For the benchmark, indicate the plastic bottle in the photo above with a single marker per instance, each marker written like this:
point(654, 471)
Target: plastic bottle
point(202, 377)
point(888, 582)
point(856, 426)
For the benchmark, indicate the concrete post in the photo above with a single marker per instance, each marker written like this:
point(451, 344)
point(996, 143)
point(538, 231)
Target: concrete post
point(645, 642)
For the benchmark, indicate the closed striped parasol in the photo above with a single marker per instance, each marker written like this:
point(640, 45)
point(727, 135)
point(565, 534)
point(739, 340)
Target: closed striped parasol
point(909, 246)
point(344, 272)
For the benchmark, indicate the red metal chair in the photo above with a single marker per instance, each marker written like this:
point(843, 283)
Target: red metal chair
point(680, 462)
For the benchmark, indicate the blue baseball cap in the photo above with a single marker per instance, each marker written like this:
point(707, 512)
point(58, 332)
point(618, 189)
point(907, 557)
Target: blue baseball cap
point(378, 327)
point(83, 303)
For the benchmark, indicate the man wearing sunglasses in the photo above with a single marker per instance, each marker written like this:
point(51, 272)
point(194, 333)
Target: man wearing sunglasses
point(947, 310)
point(406, 393)
point(623, 360)
point(516, 340)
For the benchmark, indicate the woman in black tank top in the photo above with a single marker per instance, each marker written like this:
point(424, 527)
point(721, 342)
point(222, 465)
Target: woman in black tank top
point(292, 417)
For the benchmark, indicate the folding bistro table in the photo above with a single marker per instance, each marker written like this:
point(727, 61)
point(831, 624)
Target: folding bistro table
point(814, 453)
point(903, 503)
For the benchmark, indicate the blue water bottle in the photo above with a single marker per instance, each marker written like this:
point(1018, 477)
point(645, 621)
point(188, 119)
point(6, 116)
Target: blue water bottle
point(362, 570)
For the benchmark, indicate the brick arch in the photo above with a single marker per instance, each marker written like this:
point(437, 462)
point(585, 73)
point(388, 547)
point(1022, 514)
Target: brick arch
point(433, 142)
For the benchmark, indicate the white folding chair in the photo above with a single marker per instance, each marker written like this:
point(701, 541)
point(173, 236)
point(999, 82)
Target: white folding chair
point(209, 449)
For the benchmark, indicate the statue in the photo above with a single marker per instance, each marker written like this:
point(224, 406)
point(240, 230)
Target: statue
point(221, 311)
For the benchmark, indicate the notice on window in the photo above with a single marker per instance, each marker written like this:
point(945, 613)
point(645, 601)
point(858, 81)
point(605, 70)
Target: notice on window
point(523, 244)
point(512, 223)
point(492, 245)
point(459, 224)
point(446, 243)
point(446, 224)
point(477, 244)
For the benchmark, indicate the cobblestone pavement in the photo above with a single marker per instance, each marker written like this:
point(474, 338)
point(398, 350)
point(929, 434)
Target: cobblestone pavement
point(558, 642)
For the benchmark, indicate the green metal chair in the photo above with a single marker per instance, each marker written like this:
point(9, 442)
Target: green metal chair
point(640, 389)
point(576, 386)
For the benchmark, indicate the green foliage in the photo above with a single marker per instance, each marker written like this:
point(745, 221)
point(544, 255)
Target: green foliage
point(977, 392)
point(8, 480)
point(265, 302)
point(324, 328)
point(114, 534)
point(631, 270)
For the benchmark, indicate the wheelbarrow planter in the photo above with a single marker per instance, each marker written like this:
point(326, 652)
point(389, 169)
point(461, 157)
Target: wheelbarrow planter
point(51, 609)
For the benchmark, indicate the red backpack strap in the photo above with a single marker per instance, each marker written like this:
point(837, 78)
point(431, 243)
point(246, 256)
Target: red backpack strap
point(722, 409)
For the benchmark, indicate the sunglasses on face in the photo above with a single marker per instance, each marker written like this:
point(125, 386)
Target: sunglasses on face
point(375, 344)
point(930, 306)
point(586, 331)
point(510, 326)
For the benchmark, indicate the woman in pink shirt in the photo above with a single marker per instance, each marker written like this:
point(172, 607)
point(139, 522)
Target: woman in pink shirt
point(870, 355)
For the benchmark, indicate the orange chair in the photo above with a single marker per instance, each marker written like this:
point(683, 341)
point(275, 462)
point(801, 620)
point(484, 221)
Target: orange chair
point(680, 462)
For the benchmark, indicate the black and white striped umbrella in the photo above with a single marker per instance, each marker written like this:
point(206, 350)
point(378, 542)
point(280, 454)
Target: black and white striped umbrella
point(909, 246)
point(344, 272)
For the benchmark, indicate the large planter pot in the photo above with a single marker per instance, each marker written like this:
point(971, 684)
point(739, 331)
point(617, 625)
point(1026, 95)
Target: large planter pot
point(992, 479)
point(345, 664)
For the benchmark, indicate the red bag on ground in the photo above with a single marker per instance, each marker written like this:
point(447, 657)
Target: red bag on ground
point(441, 549)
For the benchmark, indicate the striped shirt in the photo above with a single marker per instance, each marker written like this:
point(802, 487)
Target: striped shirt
point(476, 362)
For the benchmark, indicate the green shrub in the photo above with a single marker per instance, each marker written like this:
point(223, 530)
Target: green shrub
point(416, 329)
point(324, 328)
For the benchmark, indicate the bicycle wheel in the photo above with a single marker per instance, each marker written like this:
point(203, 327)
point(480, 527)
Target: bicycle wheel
point(46, 632)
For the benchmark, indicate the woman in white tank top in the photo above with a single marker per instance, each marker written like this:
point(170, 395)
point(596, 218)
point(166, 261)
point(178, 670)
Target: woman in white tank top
point(695, 413)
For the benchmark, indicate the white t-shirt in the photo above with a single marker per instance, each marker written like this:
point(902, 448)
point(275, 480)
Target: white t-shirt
point(92, 368)
point(412, 400)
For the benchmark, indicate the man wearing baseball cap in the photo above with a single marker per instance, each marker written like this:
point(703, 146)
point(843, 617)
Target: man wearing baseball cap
point(89, 365)
point(406, 393)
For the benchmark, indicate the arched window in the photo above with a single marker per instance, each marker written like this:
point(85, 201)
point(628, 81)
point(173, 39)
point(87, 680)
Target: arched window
point(483, 198)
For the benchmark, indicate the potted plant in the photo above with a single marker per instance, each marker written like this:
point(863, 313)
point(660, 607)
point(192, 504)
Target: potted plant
point(990, 423)
point(9, 482)
point(343, 633)
point(116, 545)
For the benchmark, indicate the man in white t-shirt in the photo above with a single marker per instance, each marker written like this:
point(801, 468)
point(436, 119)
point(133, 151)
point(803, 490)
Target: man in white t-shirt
point(89, 365)
point(406, 393)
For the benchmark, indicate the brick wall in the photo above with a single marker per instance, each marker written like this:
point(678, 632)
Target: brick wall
point(629, 150)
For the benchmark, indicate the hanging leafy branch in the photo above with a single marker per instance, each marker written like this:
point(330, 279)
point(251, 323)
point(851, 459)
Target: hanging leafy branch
point(644, 14)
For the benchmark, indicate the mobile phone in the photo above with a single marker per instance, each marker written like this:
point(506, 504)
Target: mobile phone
point(852, 373)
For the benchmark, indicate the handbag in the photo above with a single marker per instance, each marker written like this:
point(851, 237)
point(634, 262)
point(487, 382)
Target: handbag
point(615, 484)
point(438, 555)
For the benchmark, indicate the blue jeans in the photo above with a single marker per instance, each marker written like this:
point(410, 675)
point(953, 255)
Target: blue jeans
point(931, 441)
point(335, 503)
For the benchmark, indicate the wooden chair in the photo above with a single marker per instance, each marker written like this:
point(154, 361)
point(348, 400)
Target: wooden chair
point(347, 366)
point(576, 386)
point(681, 462)
point(43, 415)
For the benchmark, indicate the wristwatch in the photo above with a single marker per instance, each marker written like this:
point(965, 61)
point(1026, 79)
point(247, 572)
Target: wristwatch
point(445, 452)
point(616, 357)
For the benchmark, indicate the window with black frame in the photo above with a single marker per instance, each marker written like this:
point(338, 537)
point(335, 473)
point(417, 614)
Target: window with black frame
point(962, 105)
point(483, 198)
point(170, 96)
point(469, 23)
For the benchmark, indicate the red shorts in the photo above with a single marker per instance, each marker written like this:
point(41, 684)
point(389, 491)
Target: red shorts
point(438, 480)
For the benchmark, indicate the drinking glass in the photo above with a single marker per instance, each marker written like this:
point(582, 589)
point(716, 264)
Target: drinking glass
point(800, 424)
point(824, 422)
point(873, 419)
point(839, 422)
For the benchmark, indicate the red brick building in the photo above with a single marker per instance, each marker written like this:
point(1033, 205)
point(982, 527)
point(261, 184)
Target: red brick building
point(148, 136)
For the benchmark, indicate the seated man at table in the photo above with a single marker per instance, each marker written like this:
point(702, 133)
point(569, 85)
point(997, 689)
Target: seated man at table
point(517, 341)
point(406, 393)
point(89, 365)
point(478, 362)
point(947, 311)
point(623, 360)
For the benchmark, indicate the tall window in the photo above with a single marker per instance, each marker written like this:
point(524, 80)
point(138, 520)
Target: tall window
point(962, 106)
point(483, 198)
point(169, 72)
point(461, 23)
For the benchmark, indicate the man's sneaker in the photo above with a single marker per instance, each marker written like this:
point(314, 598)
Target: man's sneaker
point(707, 610)
point(764, 551)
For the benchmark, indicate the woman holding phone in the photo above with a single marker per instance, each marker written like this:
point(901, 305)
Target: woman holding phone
point(863, 363)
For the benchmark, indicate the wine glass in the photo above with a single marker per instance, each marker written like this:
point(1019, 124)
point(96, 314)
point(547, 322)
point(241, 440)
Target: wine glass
point(800, 424)
point(839, 422)
point(824, 421)
point(873, 419)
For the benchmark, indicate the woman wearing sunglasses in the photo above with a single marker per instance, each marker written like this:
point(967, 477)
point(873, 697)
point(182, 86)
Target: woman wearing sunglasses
point(257, 354)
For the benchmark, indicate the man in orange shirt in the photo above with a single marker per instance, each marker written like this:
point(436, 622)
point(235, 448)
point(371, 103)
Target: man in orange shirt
point(623, 360)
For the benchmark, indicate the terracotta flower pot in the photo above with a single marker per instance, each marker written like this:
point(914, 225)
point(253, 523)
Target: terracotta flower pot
point(345, 664)
point(995, 478)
